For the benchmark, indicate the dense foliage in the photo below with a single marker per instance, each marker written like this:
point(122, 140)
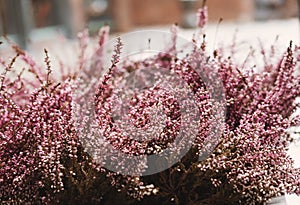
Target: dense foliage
point(42, 159)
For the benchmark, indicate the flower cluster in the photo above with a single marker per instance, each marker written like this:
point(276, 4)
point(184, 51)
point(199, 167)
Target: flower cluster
point(49, 156)
point(253, 153)
point(42, 159)
point(36, 132)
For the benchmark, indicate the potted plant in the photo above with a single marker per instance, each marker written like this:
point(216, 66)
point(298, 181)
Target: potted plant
point(224, 127)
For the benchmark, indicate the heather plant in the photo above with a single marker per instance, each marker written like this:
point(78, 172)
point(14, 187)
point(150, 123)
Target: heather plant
point(41, 157)
point(63, 140)
point(250, 164)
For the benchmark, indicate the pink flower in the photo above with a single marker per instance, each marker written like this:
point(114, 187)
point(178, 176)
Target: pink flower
point(202, 17)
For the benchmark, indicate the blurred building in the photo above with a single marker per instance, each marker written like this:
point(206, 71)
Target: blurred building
point(25, 20)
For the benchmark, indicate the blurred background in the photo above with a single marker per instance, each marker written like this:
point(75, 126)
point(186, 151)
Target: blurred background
point(35, 21)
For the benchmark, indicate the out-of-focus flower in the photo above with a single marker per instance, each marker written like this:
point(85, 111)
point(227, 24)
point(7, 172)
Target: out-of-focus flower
point(202, 17)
